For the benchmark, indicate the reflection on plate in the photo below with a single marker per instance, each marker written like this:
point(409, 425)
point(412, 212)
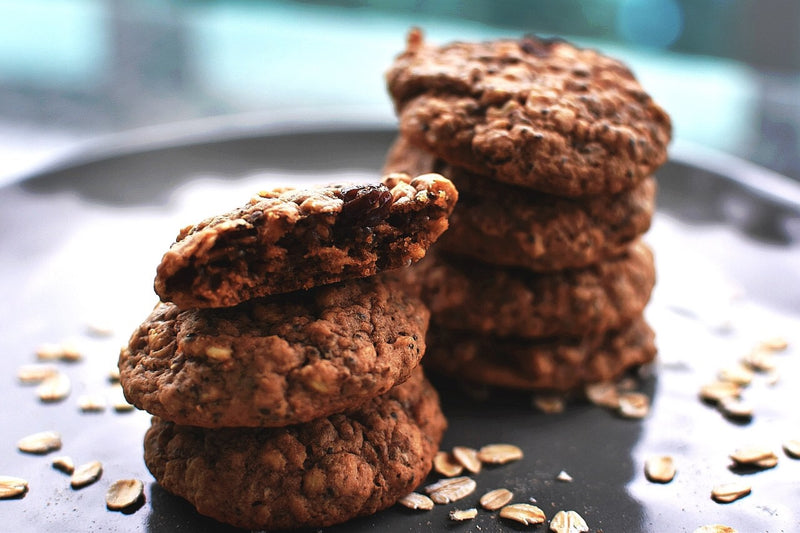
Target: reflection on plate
point(81, 243)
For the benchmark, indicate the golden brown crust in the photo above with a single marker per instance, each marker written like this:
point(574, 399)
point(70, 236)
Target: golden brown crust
point(275, 361)
point(310, 475)
point(290, 239)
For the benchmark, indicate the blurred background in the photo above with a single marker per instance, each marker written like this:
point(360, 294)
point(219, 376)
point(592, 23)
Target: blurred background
point(75, 71)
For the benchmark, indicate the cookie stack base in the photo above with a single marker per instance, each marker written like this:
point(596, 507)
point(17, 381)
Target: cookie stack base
point(315, 474)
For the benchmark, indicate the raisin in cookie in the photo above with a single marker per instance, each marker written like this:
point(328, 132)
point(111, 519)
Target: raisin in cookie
point(315, 474)
point(290, 239)
point(539, 113)
point(516, 226)
point(556, 364)
point(464, 294)
point(275, 361)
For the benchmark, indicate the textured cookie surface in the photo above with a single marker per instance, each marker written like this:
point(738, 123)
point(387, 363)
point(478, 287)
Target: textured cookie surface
point(309, 475)
point(516, 226)
point(290, 239)
point(275, 361)
point(464, 294)
point(556, 364)
point(538, 113)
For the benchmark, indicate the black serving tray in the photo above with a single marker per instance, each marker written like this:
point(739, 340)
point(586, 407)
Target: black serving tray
point(81, 239)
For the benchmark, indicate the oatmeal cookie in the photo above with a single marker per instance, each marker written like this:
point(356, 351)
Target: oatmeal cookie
point(516, 226)
point(275, 361)
point(315, 474)
point(465, 294)
point(533, 112)
point(558, 364)
point(290, 239)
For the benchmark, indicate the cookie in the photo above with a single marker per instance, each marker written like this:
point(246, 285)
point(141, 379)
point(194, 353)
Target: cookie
point(468, 295)
point(558, 364)
point(290, 239)
point(310, 475)
point(275, 361)
point(516, 226)
point(539, 113)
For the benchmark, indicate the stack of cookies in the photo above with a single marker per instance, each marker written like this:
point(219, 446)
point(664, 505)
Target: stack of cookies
point(541, 281)
point(282, 363)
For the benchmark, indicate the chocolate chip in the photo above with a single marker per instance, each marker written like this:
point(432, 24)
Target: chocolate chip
point(365, 205)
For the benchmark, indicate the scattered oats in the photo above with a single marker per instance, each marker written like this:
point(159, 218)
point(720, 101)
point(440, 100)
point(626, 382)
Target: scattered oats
point(70, 353)
point(760, 360)
point(460, 515)
point(715, 391)
point(118, 401)
point(568, 522)
point(769, 462)
point(48, 352)
point(124, 493)
point(604, 394)
point(113, 374)
point(451, 489)
point(54, 388)
point(733, 407)
point(11, 487)
point(42, 442)
point(792, 448)
point(550, 405)
point(759, 456)
point(86, 474)
point(468, 458)
point(563, 476)
point(716, 528)
point(524, 513)
point(98, 329)
point(91, 403)
point(446, 465)
point(495, 499)
point(739, 374)
point(64, 464)
point(36, 373)
point(634, 405)
point(65, 351)
point(775, 344)
point(415, 500)
point(729, 492)
point(659, 469)
point(499, 454)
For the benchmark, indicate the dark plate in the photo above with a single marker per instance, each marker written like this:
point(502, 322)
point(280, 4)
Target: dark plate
point(80, 245)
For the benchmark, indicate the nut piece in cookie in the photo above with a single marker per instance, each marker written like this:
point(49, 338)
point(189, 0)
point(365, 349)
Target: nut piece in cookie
point(539, 113)
point(275, 361)
point(291, 239)
point(316, 474)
